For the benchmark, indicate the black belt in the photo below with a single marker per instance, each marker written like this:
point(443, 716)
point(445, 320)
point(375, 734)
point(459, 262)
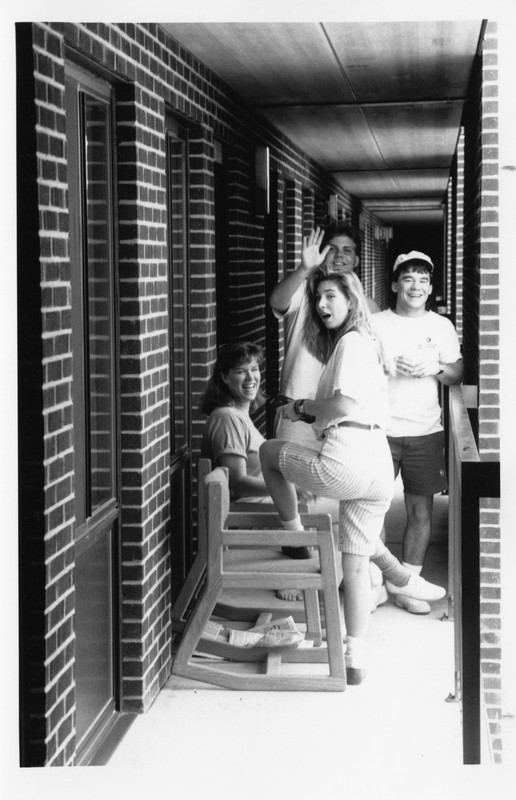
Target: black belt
point(348, 423)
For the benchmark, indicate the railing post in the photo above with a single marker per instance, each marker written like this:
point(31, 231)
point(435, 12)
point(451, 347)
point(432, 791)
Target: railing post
point(470, 480)
point(470, 569)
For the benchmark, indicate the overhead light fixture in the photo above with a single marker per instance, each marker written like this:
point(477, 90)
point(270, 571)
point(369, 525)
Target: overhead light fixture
point(333, 206)
point(382, 234)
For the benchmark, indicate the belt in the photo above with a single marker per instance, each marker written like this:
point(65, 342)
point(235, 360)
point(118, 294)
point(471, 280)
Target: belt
point(348, 423)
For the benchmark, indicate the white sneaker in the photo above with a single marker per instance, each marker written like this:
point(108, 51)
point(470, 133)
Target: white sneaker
point(413, 606)
point(418, 589)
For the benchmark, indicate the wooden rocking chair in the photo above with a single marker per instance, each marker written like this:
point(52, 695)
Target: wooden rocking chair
point(243, 551)
point(235, 604)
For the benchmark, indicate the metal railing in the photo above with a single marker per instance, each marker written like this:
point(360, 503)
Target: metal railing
point(470, 480)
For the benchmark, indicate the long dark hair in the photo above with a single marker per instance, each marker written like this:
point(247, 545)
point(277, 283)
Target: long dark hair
point(230, 356)
point(357, 318)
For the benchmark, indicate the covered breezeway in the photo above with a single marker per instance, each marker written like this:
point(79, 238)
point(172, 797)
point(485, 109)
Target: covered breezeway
point(406, 77)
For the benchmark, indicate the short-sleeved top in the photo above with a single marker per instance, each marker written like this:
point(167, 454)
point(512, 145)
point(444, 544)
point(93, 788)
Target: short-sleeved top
point(414, 403)
point(230, 430)
point(301, 370)
point(354, 370)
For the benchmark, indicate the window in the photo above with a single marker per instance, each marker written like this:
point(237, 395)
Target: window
point(182, 551)
point(90, 164)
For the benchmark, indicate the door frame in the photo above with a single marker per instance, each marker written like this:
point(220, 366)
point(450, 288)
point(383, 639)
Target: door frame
point(107, 514)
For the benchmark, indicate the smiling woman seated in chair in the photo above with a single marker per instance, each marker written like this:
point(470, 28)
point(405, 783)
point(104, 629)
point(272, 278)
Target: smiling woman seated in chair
point(230, 437)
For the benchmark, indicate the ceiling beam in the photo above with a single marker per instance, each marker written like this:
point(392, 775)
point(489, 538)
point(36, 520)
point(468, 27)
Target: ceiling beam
point(403, 203)
point(388, 170)
point(366, 104)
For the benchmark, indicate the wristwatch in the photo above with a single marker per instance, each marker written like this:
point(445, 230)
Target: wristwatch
point(299, 408)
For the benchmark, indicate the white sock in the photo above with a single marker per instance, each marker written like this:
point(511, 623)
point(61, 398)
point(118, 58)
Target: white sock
point(293, 524)
point(355, 652)
point(414, 568)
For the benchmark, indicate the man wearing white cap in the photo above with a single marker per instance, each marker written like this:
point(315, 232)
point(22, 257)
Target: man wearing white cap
point(424, 350)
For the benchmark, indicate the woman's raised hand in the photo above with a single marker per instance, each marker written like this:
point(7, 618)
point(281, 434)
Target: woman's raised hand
point(311, 257)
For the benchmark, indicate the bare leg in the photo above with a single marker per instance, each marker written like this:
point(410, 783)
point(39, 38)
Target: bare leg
point(357, 608)
point(282, 491)
point(283, 494)
point(357, 594)
point(416, 537)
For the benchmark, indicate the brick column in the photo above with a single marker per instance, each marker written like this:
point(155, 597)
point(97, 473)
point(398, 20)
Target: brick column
point(144, 398)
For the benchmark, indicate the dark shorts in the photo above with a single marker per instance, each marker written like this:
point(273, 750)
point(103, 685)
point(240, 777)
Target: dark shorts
point(420, 459)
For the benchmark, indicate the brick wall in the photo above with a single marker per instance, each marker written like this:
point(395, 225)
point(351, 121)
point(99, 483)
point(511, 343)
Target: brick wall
point(481, 345)
point(45, 427)
point(489, 392)
point(152, 76)
point(456, 209)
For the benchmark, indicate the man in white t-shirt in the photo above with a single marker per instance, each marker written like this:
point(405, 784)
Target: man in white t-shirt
point(423, 350)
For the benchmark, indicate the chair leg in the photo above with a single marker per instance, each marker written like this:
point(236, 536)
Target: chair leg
point(190, 587)
point(195, 627)
point(334, 628)
point(313, 616)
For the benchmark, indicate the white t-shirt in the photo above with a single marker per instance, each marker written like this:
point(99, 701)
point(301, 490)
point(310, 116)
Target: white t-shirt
point(301, 370)
point(414, 402)
point(354, 370)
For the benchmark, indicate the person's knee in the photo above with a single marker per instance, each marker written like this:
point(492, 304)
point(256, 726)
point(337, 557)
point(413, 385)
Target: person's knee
point(264, 450)
point(268, 453)
point(419, 508)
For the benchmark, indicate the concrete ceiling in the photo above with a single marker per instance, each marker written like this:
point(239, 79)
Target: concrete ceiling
point(377, 104)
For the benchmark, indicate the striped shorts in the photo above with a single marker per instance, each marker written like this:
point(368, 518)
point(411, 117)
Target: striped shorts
point(355, 467)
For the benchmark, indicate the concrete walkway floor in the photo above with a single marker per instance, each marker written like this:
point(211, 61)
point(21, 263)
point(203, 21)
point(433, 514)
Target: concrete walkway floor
point(400, 714)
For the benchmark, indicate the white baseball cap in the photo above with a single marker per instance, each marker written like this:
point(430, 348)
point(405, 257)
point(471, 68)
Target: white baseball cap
point(414, 255)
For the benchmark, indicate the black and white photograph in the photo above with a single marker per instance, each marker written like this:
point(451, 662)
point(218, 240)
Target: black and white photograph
point(259, 258)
